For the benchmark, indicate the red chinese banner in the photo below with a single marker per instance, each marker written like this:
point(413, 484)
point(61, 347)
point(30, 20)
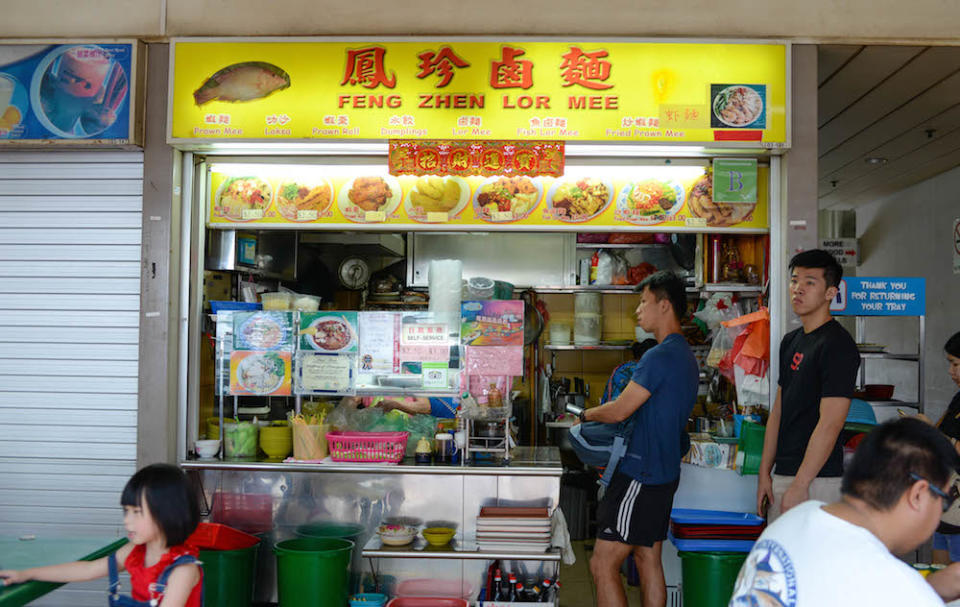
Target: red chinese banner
point(484, 158)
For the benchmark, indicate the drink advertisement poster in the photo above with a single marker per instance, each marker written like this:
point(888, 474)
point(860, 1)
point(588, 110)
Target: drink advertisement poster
point(67, 92)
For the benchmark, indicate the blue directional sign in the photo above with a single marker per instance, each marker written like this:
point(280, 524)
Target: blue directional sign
point(880, 296)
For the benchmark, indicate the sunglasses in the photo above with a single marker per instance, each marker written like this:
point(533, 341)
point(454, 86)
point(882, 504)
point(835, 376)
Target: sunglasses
point(948, 499)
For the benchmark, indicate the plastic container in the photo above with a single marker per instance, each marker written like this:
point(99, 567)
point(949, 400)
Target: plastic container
point(382, 447)
point(481, 287)
point(708, 577)
point(229, 576)
point(306, 303)
point(750, 447)
point(587, 303)
point(313, 571)
point(276, 301)
point(214, 536)
point(587, 329)
point(559, 333)
point(240, 439)
point(310, 441)
point(430, 587)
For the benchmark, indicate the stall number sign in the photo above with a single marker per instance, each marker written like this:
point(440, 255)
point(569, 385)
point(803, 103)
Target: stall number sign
point(880, 296)
point(846, 250)
point(735, 180)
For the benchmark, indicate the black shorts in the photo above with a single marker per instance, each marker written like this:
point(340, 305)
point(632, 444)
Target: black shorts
point(633, 513)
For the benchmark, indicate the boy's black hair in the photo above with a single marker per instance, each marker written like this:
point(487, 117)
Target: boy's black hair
point(880, 471)
point(952, 347)
point(639, 348)
point(666, 284)
point(170, 498)
point(818, 258)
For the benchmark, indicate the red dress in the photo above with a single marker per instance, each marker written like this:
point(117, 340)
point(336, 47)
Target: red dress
point(142, 577)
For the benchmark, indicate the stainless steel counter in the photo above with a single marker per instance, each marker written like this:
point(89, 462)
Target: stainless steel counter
point(273, 499)
point(526, 461)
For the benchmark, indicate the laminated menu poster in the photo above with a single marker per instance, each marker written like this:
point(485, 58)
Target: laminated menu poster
point(407, 350)
point(319, 373)
point(330, 332)
point(260, 373)
point(263, 331)
point(492, 323)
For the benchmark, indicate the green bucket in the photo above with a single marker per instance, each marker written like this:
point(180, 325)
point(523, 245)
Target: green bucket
point(709, 577)
point(313, 571)
point(229, 576)
point(344, 531)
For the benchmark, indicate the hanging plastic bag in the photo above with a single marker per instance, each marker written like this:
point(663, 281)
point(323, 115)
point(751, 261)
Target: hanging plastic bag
point(605, 268)
point(747, 362)
point(718, 308)
point(719, 348)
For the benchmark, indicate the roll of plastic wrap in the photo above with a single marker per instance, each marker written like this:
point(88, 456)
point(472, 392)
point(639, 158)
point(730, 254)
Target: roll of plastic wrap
point(445, 277)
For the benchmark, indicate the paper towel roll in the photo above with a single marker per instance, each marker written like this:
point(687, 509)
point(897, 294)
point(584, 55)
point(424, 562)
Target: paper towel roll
point(444, 278)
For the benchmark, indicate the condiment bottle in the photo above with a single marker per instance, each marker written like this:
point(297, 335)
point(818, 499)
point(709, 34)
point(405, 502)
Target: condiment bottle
point(424, 451)
point(494, 397)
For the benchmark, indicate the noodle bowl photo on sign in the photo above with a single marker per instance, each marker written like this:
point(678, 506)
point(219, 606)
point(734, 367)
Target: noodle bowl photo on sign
point(738, 106)
point(329, 332)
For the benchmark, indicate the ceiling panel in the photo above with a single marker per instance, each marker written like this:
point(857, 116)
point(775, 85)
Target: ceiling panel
point(832, 57)
point(923, 163)
point(859, 76)
point(881, 101)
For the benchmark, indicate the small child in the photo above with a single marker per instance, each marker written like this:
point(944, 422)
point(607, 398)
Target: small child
point(159, 513)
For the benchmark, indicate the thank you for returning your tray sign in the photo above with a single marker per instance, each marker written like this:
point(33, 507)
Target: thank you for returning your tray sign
point(880, 296)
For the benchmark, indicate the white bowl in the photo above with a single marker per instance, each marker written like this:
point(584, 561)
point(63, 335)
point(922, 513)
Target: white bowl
point(207, 448)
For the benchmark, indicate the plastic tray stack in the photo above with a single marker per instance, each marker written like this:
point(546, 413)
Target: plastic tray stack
point(516, 529)
point(713, 530)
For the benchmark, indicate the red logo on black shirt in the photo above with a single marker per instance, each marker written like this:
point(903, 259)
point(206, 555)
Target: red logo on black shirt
point(797, 359)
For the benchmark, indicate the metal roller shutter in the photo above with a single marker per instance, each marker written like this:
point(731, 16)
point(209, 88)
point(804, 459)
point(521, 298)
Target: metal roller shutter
point(69, 315)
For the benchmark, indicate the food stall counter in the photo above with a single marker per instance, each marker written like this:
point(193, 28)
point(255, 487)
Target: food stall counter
point(525, 461)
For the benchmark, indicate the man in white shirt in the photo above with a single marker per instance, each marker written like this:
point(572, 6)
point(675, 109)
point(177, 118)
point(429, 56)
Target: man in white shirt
point(842, 554)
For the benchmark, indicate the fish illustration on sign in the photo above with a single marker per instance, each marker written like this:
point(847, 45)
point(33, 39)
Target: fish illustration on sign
point(242, 82)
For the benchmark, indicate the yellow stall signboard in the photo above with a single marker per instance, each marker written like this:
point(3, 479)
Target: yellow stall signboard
point(733, 93)
point(639, 198)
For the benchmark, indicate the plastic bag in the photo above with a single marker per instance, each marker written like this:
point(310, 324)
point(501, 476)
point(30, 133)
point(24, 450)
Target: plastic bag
point(718, 308)
point(619, 270)
point(605, 268)
point(420, 426)
point(722, 342)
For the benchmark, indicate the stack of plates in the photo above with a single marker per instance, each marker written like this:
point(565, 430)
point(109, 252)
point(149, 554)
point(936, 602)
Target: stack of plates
point(516, 529)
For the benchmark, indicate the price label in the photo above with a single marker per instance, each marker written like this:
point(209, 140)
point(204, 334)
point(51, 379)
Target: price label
point(437, 217)
point(310, 215)
point(695, 222)
point(252, 214)
point(502, 215)
point(375, 217)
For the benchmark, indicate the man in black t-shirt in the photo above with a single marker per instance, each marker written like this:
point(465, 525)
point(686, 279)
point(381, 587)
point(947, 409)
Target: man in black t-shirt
point(818, 373)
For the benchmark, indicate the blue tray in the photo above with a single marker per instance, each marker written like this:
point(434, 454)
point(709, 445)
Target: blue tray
point(689, 516)
point(711, 545)
point(236, 306)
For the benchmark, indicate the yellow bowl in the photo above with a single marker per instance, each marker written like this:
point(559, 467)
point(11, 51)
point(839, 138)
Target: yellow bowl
point(276, 440)
point(438, 536)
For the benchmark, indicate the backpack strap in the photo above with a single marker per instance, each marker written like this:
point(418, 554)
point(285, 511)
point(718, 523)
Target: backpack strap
point(113, 589)
point(158, 587)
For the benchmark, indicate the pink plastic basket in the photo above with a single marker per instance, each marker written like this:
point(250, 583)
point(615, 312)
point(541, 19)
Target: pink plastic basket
point(380, 447)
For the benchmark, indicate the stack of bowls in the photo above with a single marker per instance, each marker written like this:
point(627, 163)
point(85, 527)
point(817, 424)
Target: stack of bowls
point(276, 440)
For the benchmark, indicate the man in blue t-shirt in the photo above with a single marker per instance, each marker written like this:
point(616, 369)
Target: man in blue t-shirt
point(634, 513)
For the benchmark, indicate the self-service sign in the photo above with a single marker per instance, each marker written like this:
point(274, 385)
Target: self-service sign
point(880, 296)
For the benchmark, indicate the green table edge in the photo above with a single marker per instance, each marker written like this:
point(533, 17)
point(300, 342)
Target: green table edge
point(24, 593)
